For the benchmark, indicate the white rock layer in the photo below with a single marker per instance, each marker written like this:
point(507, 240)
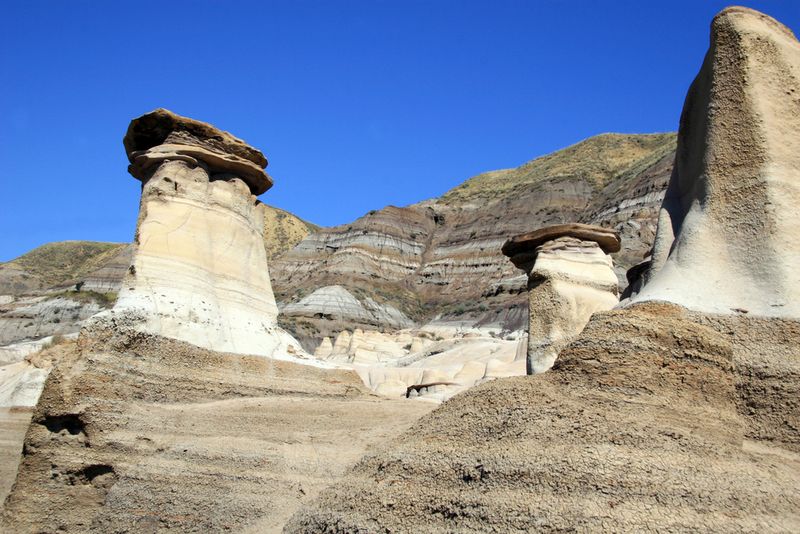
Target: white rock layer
point(199, 270)
point(336, 302)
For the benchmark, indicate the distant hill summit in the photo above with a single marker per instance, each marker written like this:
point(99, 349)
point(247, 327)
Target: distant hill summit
point(599, 159)
point(284, 230)
point(54, 264)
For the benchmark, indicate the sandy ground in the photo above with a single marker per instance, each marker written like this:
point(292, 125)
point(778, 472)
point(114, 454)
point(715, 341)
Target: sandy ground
point(13, 425)
point(135, 433)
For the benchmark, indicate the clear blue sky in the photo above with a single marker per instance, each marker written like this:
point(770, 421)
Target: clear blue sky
point(356, 104)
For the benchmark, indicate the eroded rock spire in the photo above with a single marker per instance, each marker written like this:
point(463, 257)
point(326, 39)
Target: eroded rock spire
point(199, 271)
point(728, 238)
point(570, 277)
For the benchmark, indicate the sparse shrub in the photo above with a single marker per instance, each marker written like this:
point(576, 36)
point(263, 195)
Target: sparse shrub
point(103, 299)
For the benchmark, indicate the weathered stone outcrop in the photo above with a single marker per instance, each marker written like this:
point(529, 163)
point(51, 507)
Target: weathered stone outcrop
point(337, 303)
point(728, 236)
point(445, 361)
point(199, 271)
point(570, 277)
point(35, 317)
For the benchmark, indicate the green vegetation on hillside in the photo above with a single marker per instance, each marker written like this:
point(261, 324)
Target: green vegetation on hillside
point(599, 159)
point(55, 263)
point(283, 231)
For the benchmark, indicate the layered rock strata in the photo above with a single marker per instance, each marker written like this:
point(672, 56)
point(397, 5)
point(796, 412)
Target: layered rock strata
point(439, 261)
point(199, 270)
point(337, 303)
point(36, 317)
point(451, 272)
point(728, 239)
point(570, 277)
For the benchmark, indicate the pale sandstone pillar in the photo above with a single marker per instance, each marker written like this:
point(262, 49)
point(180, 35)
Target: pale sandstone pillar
point(199, 271)
point(728, 238)
point(570, 277)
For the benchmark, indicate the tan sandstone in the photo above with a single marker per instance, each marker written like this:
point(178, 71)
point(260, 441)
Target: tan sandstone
point(728, 239)
point(570, 277)
point(199, 271)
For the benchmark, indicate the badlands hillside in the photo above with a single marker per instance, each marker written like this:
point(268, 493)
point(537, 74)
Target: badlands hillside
point(678, 412)
point(635, 365)
point(438, 262)
point(53, 288)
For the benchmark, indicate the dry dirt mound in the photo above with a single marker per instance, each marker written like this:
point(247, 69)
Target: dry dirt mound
point(136, 433)
point(653, 419)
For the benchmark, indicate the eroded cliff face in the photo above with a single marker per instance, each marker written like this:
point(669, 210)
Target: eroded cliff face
point(439, 261)
point(436, 262)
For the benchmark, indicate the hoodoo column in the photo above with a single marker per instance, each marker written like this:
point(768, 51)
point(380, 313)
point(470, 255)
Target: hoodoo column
point(570, 277)
point(199, 271)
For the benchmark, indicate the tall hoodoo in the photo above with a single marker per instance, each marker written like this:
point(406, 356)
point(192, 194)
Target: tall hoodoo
point(728, 236)
point(199, 271)
point(570, 277)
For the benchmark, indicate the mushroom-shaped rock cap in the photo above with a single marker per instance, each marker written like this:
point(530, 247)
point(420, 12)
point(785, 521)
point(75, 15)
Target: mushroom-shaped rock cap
point(527, 243)
point(161, 135)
